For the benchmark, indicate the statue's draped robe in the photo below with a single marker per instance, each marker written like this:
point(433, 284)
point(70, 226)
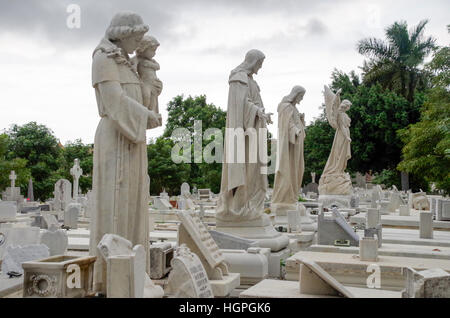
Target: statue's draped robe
point(290, 164)
point(243, 186)
point(340, 151)
point(120, 176)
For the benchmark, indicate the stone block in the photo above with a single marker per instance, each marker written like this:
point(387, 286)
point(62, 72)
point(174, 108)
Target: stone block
point(426, 225)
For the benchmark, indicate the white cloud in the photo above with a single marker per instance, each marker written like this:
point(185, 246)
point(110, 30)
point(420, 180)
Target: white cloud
point(48, 80)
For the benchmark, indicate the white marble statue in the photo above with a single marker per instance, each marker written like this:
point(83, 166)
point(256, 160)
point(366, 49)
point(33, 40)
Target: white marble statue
point(147, 67)
point(120, 179)
point(243, 187)
point(290, 160)
point(334, 180)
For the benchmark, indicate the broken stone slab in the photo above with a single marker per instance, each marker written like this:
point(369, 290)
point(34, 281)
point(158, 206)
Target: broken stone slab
point(15, 256)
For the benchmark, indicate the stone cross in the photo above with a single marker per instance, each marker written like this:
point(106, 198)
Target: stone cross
point(76, 172)
point(313, 177)
point(13, 178)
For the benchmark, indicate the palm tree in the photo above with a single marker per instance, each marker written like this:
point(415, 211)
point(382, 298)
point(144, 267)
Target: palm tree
point(395, 63)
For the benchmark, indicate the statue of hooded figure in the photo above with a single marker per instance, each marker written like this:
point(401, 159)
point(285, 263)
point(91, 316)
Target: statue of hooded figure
point(243, 186)
point(290, 159)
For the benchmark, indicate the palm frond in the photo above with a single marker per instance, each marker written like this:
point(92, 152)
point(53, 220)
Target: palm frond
point(416, 33)
point(376, 48)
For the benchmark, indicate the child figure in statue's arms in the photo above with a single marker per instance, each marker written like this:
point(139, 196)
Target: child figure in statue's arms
point(146, 68)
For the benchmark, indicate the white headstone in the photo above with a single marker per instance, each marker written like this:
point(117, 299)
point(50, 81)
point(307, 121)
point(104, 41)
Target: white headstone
point(56, 240)
point(8, 211)
point(294, 221)
point(63, 195)
point(71, 215)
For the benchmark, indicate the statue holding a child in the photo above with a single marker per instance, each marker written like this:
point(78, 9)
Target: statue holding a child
point(127, 108)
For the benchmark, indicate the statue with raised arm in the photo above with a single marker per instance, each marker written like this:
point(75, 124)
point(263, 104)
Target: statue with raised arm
point(240, 208)
point(334, 180)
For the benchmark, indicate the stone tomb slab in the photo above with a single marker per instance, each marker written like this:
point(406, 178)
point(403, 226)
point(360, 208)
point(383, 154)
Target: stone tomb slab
point(271, 288)
point(348, 269)
point(316, 281)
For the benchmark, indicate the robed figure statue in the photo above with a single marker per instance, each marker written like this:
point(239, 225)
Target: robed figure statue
point(290, 160)
point(243, 187)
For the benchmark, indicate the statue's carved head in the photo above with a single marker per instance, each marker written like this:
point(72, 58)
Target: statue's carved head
point(252, 63)
point(128, 28)
point(345, 105)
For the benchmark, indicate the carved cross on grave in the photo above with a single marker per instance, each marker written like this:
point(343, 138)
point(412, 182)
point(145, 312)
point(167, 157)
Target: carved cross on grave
point(13, 178)
point(76, 172)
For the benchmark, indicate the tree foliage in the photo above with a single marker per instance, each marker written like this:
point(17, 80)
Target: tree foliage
point(37, 144)
point(427, 143)
point(395, 63)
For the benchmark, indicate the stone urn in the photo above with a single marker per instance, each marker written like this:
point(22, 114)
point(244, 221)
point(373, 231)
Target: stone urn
point(60, 276)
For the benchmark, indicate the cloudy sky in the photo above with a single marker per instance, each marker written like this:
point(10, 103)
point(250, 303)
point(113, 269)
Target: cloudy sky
point(46, 66)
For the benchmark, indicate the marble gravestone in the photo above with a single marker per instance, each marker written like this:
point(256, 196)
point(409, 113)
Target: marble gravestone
point(71, 214)
point(188, 278)
point(62, 195)
point(55, 239)
point(8, 211)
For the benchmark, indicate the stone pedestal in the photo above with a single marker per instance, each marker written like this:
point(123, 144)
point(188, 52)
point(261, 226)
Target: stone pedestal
point(368, 249)
point(426, 225)
point(340, 201)
point(260, 230)
point(373, 218)
point(404, 210)
point(335, 184)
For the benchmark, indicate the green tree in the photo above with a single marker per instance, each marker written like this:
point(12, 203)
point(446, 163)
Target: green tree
point(37, 144)
point(427, 142)
point(163, 172)
point(395, 63)
point(19, 165)
point(182, 114)
point(83, 152)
